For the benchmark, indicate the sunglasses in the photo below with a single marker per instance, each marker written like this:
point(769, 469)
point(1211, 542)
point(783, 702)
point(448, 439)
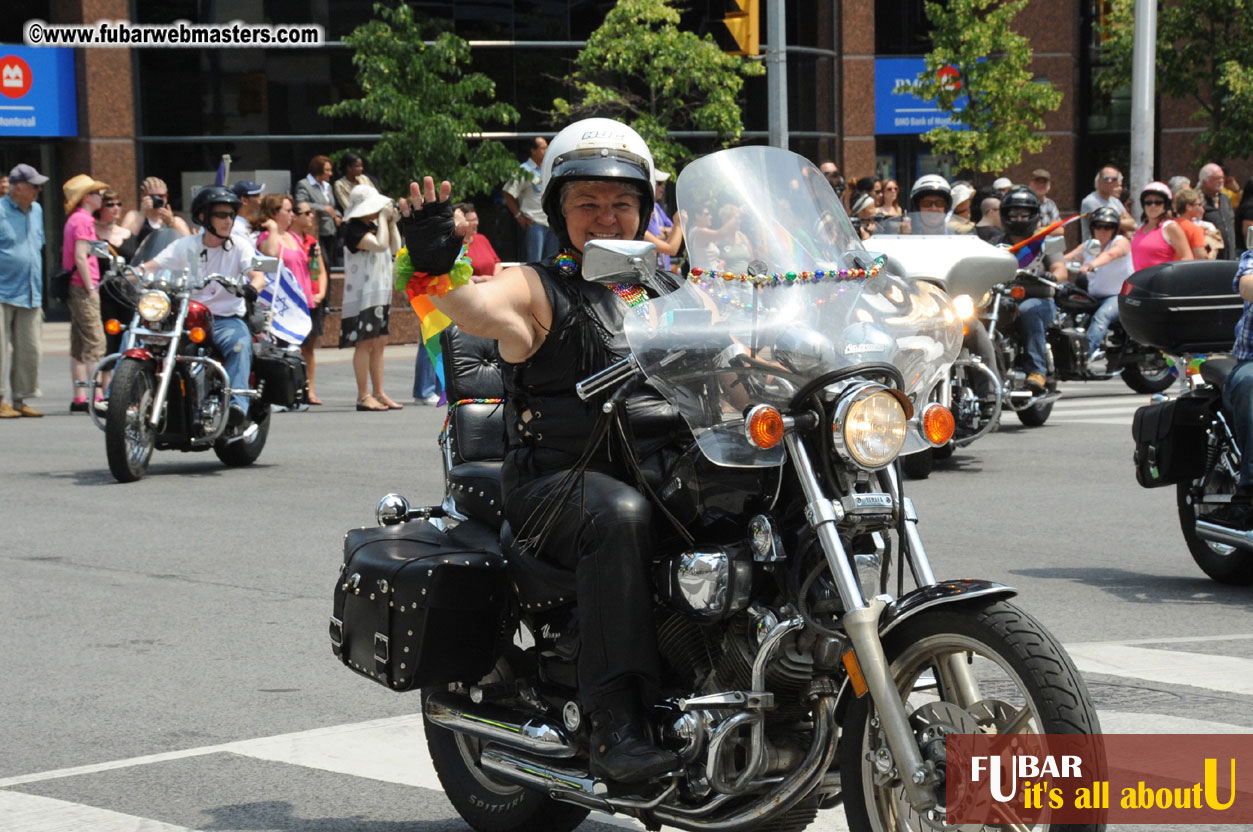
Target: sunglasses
point(1148, 202)
point(891, 188)
point(1103, 227)
point(222, 215)
point(112, 204)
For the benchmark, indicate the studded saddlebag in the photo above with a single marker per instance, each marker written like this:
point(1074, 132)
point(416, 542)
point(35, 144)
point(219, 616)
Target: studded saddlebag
point(1170, 440)
point(413, 607)
point(280, 374)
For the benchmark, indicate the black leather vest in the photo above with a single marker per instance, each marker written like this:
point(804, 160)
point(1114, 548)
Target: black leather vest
point(547, 424)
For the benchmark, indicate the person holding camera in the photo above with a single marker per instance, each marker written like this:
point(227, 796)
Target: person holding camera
point(154, 212)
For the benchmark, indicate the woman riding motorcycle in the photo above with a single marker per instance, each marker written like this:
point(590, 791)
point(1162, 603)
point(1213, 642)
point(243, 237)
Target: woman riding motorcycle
point(565, 479)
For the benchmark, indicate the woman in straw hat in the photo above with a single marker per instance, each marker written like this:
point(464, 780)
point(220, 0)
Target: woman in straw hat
point(370, 242)
point(83, 196)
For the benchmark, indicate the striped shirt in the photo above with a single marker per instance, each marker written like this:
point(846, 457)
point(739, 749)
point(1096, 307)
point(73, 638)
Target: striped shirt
point(1244, 333)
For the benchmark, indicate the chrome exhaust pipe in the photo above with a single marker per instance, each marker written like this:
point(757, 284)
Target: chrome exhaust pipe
point(492, 723)
point(567, 784)
point(1214, 533)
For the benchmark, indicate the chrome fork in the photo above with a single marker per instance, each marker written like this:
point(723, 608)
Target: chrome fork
point(861, 621)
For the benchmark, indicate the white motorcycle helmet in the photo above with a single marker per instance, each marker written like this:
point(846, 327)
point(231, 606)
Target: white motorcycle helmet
point(932, 183)
point(596, 149)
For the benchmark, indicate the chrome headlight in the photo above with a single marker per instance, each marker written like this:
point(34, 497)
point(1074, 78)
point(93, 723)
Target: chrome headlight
point(964, 306)
point(153, 305)
point(869, 426)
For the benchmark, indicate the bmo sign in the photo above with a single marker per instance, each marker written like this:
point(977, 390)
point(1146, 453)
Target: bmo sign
point(37, 92)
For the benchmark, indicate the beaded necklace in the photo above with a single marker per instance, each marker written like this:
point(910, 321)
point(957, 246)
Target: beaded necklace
point(632, 294)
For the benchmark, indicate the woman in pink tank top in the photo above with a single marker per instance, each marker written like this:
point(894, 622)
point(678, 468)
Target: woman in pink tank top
point(1159, 239)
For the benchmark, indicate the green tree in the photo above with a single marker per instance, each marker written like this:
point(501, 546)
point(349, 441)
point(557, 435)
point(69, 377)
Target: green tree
point(640, 68)
point(427, 102)
point(1005, 107)
point(1204, 50)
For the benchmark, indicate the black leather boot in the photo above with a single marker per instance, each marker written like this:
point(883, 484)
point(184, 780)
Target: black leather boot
point(622, 751)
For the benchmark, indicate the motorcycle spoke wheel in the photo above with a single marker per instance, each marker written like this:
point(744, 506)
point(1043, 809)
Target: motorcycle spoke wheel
point(1152, 373)
point(988, 669)
point(1221, 562)
point(129, 434)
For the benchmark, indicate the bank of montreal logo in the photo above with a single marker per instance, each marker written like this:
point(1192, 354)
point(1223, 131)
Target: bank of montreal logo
point(15, 76)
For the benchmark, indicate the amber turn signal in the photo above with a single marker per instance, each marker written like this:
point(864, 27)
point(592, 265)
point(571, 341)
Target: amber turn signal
point(113, 326)
point(1018, 292)
point(197, 334)
point(764, 426)
point(937, 424)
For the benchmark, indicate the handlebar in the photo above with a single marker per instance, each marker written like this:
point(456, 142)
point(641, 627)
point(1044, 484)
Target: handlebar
point(612, 376)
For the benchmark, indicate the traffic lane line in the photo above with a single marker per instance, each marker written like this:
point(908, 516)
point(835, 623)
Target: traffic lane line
point(32, 813)
point(1196, 670)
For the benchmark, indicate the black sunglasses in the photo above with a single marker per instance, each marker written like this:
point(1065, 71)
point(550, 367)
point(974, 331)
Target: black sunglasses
point(1147, 202)
point(1101, 226)
point(112, 204)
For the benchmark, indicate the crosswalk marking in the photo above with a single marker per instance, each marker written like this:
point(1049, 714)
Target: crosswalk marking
point(1199, 670)
point(32, 813)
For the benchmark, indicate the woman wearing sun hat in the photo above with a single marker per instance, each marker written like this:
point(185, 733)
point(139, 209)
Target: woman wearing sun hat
point(370, 243)
point(83, 196)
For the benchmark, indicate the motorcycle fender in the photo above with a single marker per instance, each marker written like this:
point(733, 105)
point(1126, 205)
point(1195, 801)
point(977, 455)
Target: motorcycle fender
point(139, 354)
point(960, 591)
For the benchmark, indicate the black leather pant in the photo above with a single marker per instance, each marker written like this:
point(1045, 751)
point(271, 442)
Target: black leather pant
point(604, 534)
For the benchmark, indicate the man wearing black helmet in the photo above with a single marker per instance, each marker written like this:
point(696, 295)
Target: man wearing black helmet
point(566, 485)
point(1020, 216)
point(218, 250)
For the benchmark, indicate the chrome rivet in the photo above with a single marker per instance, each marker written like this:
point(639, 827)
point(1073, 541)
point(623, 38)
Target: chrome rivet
point(402, 665)
point(406, 649)
point(371, 596)
point(410, 633)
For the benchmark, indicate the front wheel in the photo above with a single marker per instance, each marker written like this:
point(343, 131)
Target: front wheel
point(1020, 680)
point(128, 432)
point(918, 466)
point(1149, 373)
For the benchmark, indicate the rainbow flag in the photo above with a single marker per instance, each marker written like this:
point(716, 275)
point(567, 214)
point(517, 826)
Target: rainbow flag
point(433, 322)
point(1029, 249)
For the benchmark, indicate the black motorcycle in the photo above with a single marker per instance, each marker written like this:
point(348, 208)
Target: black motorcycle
point(798, 670)
point(169, 390)
point(1145, 370)
point(1186, 309)
point(998, 311)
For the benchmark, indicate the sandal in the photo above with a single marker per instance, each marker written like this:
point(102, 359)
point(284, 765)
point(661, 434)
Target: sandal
point(370, 403)
point(386, 401)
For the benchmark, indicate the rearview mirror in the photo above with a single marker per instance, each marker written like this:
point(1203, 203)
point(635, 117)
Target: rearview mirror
point(264, 264)
point(1092, 247)
point(99, 248)
point(619, 261)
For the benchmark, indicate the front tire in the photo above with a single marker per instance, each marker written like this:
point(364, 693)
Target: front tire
point(245, 451)
point(484, 803)
point(918, 466)
point(1149, 373)
point(129, 436)
point(1025, 683)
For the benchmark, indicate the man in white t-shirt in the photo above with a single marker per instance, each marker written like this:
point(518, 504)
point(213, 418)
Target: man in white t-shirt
point(217, 250)
point(1108, 187)
point(522, 195)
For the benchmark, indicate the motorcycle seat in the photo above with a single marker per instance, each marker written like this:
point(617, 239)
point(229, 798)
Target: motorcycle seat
point(1215, 370)
point(541, 585)
point(1072, 299)
point(474, 439)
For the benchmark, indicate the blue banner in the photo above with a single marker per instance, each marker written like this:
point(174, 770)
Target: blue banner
point(38, 96)
point(900, 113)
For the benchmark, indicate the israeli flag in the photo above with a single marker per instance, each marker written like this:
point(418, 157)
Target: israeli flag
point(289, 311)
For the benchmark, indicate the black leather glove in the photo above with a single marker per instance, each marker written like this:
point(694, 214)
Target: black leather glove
point(250, 293)
point(429, 236)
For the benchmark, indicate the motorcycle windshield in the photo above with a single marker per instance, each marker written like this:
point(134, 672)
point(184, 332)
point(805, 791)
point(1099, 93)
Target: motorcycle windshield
point(813, 303)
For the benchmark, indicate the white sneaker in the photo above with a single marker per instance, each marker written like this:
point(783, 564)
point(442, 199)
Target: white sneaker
point(432, 399)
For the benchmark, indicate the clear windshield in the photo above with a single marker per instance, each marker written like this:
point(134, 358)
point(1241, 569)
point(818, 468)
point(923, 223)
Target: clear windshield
point(718, 346)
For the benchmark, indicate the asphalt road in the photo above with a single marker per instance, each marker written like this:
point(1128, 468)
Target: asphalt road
point(168, 667)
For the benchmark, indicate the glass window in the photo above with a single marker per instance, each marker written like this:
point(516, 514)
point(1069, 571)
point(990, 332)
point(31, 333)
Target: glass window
point(901, 27)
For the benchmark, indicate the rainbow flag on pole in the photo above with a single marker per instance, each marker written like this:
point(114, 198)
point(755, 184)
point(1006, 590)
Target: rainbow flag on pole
point(433, 322)
point(1029, 249)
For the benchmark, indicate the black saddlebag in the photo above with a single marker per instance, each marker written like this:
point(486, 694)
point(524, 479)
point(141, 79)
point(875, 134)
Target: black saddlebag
point(1170, 440)
point(1070, 350)
point(1182, 307)
point(280, 374)
point(414, 607)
